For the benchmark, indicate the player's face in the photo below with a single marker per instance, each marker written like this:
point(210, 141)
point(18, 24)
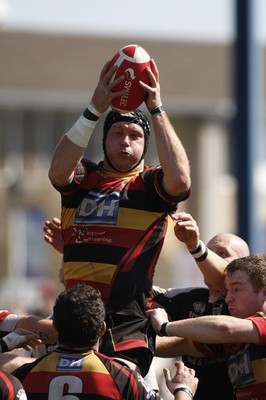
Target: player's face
point(229, 247)
point(124, 146)
point(224, 249)
point(241, 298)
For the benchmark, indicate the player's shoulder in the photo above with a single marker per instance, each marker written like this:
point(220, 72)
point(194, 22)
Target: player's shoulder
point(11, 387)
point(171, 293)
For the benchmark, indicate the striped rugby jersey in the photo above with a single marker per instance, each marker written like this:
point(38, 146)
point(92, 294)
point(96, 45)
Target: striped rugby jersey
point(246, 362)
point(114, 226)
point(90, 375)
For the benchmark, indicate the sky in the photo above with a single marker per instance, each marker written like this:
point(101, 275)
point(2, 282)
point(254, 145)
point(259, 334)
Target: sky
point(202, 20)
point(171, 18)
point(199, 20)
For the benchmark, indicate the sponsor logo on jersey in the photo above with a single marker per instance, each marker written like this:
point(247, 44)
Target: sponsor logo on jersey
point(69, 363)
point(98, 208)
point(240, 369)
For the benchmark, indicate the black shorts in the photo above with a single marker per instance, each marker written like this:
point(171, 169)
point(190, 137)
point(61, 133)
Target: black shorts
point(130, 337)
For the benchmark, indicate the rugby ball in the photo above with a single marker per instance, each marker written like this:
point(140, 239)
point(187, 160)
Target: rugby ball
point(132, 61)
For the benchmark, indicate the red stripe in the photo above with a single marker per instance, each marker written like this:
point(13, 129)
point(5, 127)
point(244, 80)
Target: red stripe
point(4, 314)
point(83, 234)
point(129, 258)
point(130, 344)
point(101, 383)
point(133, 382)
point(9, 385)
point(204, 349)
point(252, 391)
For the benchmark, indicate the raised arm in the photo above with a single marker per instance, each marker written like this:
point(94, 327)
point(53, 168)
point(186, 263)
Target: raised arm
point(171, 153)
point(72, 146)
point(210, 264)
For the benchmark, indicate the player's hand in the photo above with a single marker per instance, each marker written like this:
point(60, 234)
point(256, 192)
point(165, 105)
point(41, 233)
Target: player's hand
point(53, 234)
point(104, 92)
point(158, 316)
point(21, 338)
point(183, 376)
point(154, 95)
point(186, 230)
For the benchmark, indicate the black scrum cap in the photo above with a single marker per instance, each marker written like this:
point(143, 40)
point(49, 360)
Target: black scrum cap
point(135, 117)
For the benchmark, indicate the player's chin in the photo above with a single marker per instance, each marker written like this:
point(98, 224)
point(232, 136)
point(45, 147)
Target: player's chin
point(126, 165)
point(234, 313)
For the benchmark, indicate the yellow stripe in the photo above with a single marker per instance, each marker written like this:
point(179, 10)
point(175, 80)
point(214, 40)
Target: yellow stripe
point(89, 271)
point(91, 363)
point(135, 219)
point(259, 368)
point(47, 364)
point(68, 215)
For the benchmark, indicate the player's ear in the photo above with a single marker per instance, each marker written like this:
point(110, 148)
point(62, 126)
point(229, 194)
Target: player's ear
point(103, 329)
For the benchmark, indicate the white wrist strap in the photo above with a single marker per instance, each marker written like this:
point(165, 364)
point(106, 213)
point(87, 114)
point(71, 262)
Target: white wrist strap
point(183, 387)
point(81, 131)
point(201, 252)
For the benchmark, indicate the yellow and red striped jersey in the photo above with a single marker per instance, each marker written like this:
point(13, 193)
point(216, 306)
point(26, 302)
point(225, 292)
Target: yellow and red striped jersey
point(89, 375)
point(114, 226)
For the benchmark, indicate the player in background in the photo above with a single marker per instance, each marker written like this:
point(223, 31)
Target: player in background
point(241, 336)
point(192, 302)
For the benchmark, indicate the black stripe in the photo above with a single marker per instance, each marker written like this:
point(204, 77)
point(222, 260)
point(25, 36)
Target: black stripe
point(90, 116)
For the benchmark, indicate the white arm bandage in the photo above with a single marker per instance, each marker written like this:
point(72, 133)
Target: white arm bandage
point(12, 341)
point(81, 131)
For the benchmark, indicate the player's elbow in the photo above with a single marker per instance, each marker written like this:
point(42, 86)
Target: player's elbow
point(184, 183)
point(177, 185)
point(56, 176)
